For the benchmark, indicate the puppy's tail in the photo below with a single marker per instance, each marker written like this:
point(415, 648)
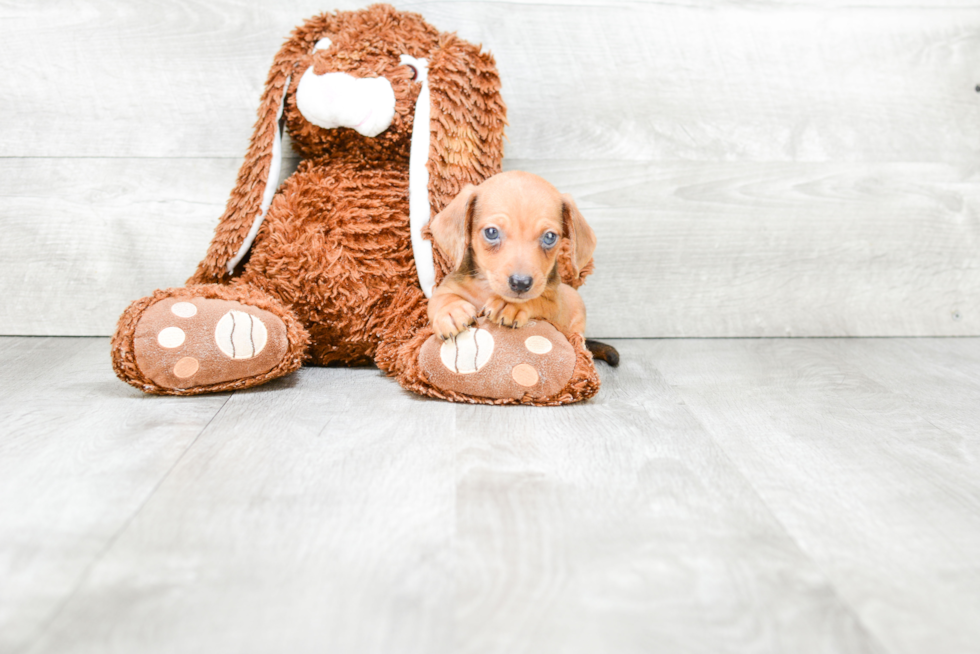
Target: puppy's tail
point(603, 352)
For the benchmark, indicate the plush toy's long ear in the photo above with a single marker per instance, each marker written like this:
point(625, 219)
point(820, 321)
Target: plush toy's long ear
point(259, 174)
point(451, 227)
point(467, 123)
point(577, 255)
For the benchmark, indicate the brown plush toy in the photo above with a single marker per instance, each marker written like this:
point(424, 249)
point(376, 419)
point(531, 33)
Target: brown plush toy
point(392, 119)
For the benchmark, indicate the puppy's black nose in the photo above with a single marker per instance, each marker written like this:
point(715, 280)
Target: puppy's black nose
point(520, 283)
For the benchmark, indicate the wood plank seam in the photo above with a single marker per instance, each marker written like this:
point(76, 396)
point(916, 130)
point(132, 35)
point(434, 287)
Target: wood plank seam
point(56, 612)
point(746, 479)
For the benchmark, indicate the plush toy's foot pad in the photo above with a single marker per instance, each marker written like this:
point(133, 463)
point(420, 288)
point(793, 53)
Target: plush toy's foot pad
point(180, 344)
point(496, 362)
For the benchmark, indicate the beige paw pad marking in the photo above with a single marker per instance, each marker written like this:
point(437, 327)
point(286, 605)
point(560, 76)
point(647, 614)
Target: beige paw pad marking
point(524, 374)
point(171, 337)
point(186, 367)
point(240, 335)
point(538, 344)
point(468, 351)
point(184, 310)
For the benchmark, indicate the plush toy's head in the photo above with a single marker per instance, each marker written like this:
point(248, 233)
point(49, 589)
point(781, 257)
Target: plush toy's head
point(355, 79)
point(381, 84)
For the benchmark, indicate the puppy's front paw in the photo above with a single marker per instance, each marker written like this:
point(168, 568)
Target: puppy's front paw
point(504, 313)
point(453, 318)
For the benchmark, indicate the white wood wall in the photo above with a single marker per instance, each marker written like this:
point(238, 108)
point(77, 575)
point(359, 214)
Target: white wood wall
point(751, 168)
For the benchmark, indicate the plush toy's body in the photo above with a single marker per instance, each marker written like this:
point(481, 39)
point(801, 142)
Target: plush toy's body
point(326, 270)
point(340, 285)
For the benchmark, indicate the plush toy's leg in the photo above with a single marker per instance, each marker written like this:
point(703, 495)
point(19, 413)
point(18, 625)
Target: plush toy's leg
point(201, 339)
point(490, 364)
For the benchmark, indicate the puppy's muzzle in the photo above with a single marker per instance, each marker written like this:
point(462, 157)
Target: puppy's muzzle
point(520, 283)
point(365, 104)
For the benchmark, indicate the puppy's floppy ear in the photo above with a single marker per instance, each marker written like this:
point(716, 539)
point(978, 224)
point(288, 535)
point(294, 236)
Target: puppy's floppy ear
point(255, 186)
point(577, 257)
point(451, 227)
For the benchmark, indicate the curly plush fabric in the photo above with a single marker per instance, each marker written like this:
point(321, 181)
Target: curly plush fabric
point(333, 257)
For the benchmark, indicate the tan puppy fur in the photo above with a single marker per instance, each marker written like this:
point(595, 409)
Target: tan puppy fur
point(504, 237)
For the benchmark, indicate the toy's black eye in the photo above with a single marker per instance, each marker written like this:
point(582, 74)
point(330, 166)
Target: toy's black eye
point(415, 72)
point(549, 239)
point(492, 234)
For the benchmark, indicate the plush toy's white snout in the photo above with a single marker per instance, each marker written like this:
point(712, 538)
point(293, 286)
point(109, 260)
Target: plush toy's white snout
point(365, 104)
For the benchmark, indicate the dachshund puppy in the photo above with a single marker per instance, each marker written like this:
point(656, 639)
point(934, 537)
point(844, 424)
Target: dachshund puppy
point(504, 237)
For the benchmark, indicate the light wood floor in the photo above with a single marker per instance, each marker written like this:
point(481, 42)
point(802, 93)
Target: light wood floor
point(717, 496)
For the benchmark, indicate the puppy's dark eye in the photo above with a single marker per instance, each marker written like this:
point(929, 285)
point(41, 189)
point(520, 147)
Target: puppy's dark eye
point(491, 234)
point(549, 239)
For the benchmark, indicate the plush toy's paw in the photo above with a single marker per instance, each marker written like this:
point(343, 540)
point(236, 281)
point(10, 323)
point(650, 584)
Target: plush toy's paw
point(180, 344)
point(490, 361)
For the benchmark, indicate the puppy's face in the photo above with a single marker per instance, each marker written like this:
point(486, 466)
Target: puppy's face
point(510, 230)
point(516, 231)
